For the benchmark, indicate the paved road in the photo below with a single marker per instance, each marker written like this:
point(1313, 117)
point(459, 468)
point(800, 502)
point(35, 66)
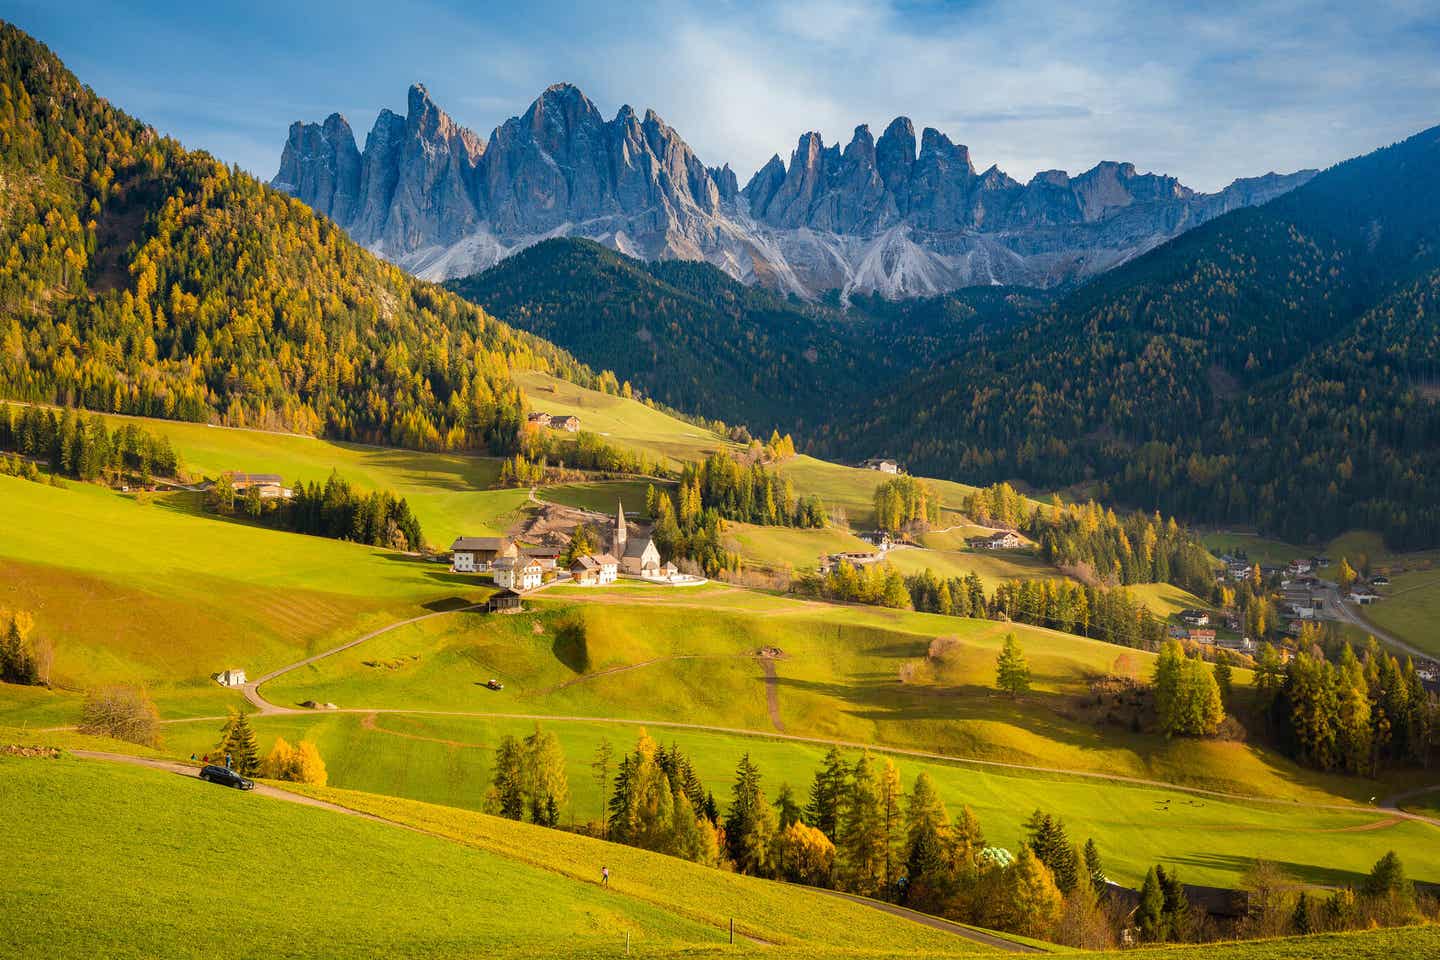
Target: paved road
point(1345, 612)
point(190, 770)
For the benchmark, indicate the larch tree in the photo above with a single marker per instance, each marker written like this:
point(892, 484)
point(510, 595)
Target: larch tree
point(1012, 670)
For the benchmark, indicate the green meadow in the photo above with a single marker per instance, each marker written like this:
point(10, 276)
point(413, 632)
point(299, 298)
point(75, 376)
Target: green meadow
point(144, 589)
point(852, 674)
point(448, 760)
point(183, 869)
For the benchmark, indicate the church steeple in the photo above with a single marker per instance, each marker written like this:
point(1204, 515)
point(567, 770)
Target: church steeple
point(619, 528)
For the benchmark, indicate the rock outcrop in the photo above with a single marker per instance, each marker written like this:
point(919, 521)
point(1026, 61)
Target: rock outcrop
point(442, 202)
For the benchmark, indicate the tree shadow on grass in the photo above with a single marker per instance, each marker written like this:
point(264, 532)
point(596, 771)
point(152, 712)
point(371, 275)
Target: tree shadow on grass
point(1304, 872)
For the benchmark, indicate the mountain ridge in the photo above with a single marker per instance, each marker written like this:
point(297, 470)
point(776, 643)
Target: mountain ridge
point(883, 215)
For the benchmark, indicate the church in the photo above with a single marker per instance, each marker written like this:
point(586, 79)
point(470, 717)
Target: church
point(638, 557)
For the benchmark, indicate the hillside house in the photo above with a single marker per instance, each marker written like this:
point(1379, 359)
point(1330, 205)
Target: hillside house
point(517, 573)
point(478, 554)
point(568, 423)
point(1296, 568)
point(539, 419)
point(1195, 618)
point(1203, 636)
point(231, 678)
point(506, 601)
point(271, 486)
point(592, 571)
point(1363, 597)
point(882, 464)
point(547, 557)
point(854, 557)
point(1003, 540)
point(878, 539)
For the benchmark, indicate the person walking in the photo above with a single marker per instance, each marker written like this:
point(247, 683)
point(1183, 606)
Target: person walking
point(227, 761)
point(604, 876)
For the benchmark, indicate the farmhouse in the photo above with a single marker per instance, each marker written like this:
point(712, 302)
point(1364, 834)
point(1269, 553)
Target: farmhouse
point(270, 485)
point(1195, 618)
point(477, 554)
point(568, 423)
point(231, 678)
point(541, 419)
point(506, 601)
point(882, 464)
point(1197, 635)
point(591, 570)
point(1004, 540)
point(517, 573)
point(547, 557)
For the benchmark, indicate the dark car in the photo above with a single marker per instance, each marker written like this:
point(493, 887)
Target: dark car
point(494, 684)
point(226, 777)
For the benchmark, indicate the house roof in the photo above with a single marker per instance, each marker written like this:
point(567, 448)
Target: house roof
point(586, 562)
point(505, 594)
point(606, 559)
point(541, 553)
point(256, 477)
point(638, 546)
point(505, 563)
point(480, 543)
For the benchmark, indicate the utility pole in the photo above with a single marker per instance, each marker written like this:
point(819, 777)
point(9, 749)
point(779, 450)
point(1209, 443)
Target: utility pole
point(732, 929)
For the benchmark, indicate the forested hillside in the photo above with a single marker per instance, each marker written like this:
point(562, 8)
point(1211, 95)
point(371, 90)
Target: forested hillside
point(141, 277)
point(1239, 373)
point(700, 341)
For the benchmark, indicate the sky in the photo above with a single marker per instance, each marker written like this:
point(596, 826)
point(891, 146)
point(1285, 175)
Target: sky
point(1206, 92)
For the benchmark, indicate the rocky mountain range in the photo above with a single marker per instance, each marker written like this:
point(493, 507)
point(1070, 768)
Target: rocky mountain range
point(878, 215)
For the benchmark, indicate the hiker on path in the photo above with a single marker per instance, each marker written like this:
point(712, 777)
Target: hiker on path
point(604, 876)
point(227, 761)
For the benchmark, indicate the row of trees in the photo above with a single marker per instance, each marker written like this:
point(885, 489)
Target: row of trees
point(1112, 615)
point(749, 494)
point(336, 510)
point(25, 658)
point(81, 446)
point(878, 584)
point(1358, 715)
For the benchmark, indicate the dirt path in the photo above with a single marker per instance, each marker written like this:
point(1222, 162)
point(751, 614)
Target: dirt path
point(252, 689)
point(936, 923)
point(772, 693)
point(368, 722)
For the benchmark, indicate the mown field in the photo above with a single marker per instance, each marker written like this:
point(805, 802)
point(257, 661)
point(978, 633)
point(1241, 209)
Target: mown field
point(448, 760)
point(186, 869)
point(144, 590)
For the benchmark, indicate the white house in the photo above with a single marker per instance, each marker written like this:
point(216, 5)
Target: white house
point(591, 570)
point(1004, 540)
point(231, 678)
point(514, 573)
point(883, 464)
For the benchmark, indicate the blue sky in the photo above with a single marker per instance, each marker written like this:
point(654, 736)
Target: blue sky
point(1204, 91)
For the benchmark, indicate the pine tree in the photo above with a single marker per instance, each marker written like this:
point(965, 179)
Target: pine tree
point(750, 825)
point(237, 741)
point(546, 785)
point(827, 794)
point(1093, 867)
point(1177, 904)
point(860, 846)
point(1012, 672)
point(507, 792)
point(787, 808)
point(1150, 914)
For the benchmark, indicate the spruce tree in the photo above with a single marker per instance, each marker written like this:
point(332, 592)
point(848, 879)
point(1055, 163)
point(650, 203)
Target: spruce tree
point(827, 793)
point(1150, 914)
point(1093, 866)
point(238, 743)
point(507, 794)
point(1012, 671)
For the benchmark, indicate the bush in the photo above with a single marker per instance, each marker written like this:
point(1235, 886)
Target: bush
point(121, 712)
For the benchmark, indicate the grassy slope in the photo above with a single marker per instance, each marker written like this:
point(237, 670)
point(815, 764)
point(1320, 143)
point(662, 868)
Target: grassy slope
point(447, 760)
point(625, 423)
point(175, 872)
point(839, 680)
point(150, 591)
point(449, 492)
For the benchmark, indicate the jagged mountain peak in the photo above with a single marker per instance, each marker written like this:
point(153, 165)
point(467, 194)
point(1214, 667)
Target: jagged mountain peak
point(898, 214)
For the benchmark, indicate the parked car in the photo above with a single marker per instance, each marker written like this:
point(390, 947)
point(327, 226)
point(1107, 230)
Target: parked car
point(494, 684)
point(226, 777)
